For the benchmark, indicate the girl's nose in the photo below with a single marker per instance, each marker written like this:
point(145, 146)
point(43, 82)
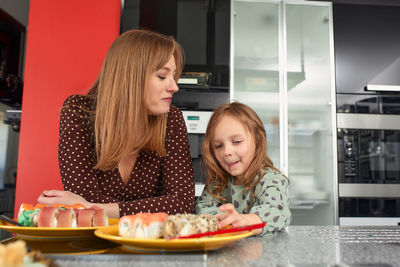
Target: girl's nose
point(227, 151)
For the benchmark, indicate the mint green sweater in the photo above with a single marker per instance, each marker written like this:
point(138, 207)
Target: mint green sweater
point(271, 203)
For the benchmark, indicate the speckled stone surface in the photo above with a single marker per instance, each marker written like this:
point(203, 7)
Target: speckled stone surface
point(316, 246)
point(297, 246)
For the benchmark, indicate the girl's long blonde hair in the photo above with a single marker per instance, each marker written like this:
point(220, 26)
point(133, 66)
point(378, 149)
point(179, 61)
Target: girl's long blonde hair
point(217, 177)
point(121, 120)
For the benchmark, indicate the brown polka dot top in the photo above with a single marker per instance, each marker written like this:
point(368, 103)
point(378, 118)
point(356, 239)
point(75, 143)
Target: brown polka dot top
point(156, 183)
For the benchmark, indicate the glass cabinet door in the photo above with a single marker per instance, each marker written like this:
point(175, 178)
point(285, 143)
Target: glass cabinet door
point(310, 94)
point(282, 67)
point(255, 51)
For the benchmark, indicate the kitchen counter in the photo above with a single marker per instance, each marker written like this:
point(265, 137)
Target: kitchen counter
point(297, 246)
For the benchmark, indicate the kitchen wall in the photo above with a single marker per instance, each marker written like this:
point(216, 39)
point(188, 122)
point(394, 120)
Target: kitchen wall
point(66, 44)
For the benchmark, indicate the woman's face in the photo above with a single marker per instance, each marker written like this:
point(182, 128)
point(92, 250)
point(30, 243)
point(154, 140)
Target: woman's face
point(233, 146)
point(161, 87)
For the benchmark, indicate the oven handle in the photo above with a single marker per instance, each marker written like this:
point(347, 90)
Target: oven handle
point(382, 88)
point(368, 121)
point(369, 190)
point(370, 221)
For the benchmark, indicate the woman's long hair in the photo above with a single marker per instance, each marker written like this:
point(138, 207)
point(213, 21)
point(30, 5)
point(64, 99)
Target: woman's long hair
point(217, 177)
point(121, 120)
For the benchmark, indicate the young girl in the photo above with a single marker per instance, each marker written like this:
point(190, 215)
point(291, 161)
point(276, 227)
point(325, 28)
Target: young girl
point(243, 186)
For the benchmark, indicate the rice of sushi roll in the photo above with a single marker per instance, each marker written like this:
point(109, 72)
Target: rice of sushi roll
point(142, 225)
point(99, 216)
point(59, 215)
point(27, 215)
point(85, 218)
point(47, 217)
point(66, 218)
point(188, 224)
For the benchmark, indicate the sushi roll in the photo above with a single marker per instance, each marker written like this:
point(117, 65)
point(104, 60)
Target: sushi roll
point(77, 206)
point(85, 218)
point(27, 215)
point(39, 206)
point(188, 224)
point(206, 223)
point(99, 216)
point(142, 225)
point(59, 215)
point(66, 218)
point(47, 217)
point(179, 225)
point(60, 206)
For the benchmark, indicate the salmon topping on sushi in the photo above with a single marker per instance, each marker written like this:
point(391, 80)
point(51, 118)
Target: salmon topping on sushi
point(47, 217)
point(85, 218)
point(142, 225)
point(66, 218)
point(59, 215)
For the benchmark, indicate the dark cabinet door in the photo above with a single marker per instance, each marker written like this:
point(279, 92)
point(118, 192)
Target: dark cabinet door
point(367, 46)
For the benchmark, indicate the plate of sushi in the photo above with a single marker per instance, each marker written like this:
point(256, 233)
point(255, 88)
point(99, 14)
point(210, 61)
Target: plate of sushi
point(160, 232)
point(57, 222)
point(16, 253)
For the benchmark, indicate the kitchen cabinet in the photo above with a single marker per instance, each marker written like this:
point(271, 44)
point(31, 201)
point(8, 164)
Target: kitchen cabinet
point(282, 66)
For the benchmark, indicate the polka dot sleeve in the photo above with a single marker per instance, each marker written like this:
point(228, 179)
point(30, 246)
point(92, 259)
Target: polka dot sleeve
point(176, 172)
point(76, 154)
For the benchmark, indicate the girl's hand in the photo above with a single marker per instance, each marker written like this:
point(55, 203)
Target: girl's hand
point(50, 197)
point(231, 216)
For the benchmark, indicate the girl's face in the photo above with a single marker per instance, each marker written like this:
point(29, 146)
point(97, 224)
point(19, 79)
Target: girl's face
point(233, 146)
point(161, 87)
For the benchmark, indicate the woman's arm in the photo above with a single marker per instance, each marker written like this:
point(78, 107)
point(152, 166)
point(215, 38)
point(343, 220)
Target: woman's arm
point(76, 161)
point(176, 178)
point(77, 158)
point(76, 154)
point(177, 170)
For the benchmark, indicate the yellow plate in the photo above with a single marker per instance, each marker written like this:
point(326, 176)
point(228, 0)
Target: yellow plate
point(162, 245)
point(52, 234)
point(90, 245)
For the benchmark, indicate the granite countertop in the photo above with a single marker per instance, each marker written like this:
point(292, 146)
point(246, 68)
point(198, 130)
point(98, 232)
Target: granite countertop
point(297, 246)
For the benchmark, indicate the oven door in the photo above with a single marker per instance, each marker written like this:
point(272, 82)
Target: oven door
point(369, 168)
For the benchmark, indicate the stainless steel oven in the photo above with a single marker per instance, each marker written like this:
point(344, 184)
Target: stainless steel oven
point(369, 159)
point(196, 124)
point(367, 64)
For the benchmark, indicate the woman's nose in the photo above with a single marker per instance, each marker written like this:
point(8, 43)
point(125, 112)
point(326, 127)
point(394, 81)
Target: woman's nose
point(173, 87)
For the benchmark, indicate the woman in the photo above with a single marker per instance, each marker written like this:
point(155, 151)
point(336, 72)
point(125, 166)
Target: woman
point(122, 147)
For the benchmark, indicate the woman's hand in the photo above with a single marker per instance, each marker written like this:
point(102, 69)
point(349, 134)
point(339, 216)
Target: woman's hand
point(50, 197)
point(230, 216)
